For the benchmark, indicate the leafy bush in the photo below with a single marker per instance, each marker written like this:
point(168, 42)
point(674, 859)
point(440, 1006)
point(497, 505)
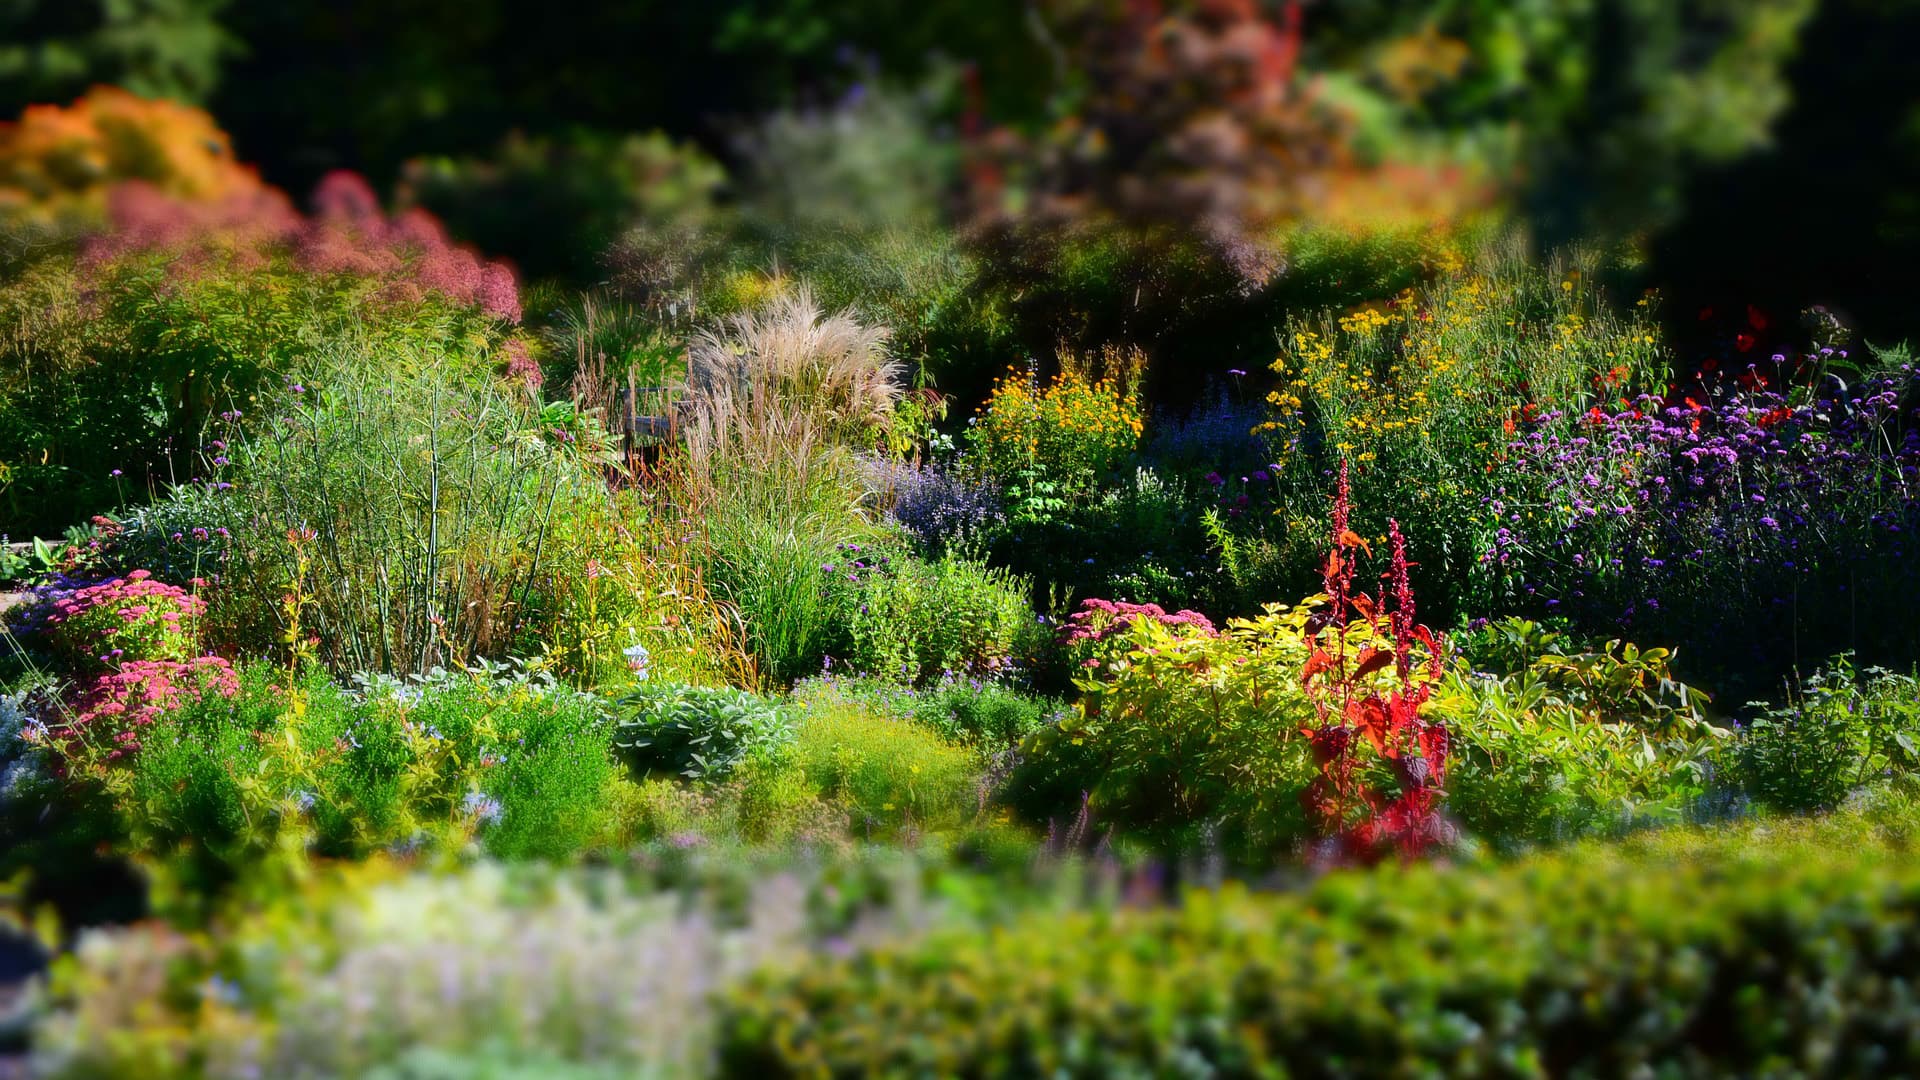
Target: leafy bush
point(1180, 731)
point(985, 713)
point(1420, 394)
point(555, 204)
point(920, 620)
point(1557, 743)
point(701, 733)
point(1835, 733)
point(404, 522)
point(1143, 540)
point(504, 969)
point(100, 625)
point(115, 360)
point(1183, 729)
point(271, 769)
point(973, 711)
point(1745, 951)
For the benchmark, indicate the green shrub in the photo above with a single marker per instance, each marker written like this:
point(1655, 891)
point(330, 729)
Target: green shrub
point(1836, 733)
point(113, 363)
point(985, 713)
point(1775, 950)
point(920, 620)
point(554, 204)
point(1425, 392)
point(1143, 540)
point(699, 732)
point(521, 765)
point(884, 771)
point(1568, 743)
point(1050, 446)
point(770, 525)
point(1180, 731)
point(973, 711)
point(412, 515)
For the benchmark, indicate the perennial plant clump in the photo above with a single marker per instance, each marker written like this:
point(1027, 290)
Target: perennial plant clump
point(1360, 808)
point(1691, 518)
point(109, 713)
point(100, 625)
point(1055, 442)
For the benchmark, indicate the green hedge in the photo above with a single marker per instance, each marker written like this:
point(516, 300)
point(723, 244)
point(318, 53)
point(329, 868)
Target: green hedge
point(1781, 950)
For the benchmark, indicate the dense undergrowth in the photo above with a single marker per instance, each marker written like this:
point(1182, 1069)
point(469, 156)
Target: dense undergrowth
point(893, 700)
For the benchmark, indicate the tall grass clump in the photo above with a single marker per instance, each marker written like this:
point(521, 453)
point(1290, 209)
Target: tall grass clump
point(776, 400)
point(394, 514)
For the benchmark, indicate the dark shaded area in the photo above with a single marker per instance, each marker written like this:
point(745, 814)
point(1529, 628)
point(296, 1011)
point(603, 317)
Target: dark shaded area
point(365, 85)
point(1830, 215)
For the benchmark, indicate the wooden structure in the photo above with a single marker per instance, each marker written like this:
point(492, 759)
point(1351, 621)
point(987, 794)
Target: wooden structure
point(649, 423)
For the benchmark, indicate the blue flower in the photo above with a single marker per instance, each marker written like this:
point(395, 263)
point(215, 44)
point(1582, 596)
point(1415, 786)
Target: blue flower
point(639, 660)
point(482, 806)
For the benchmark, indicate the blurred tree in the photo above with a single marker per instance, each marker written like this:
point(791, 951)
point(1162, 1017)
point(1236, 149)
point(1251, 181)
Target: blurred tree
point(53, 50)
point(1828, 214)
point(556, 203)
point(1596, 111)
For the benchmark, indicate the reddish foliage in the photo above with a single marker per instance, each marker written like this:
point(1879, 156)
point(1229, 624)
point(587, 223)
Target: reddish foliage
point(347, 234)
point(1361, 819)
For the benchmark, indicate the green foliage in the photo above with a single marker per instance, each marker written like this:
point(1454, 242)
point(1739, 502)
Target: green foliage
point(1835, 733)
point(1179, 732)
point(973, 711)
point(157, 48)
point(1555, 745)
point(866, 163)
point(556, 203)
point(1740, 952)
point(1052, 445)
point(985, 713)
point(519, 763)
point(412, 514)
point(770, 530)
point(110, 375)
point(506, 970)
point(1423, 395)
point(918, 621)
point(1683, 84)
point(1143, 539)
point(887, 772)
point(699, 732)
